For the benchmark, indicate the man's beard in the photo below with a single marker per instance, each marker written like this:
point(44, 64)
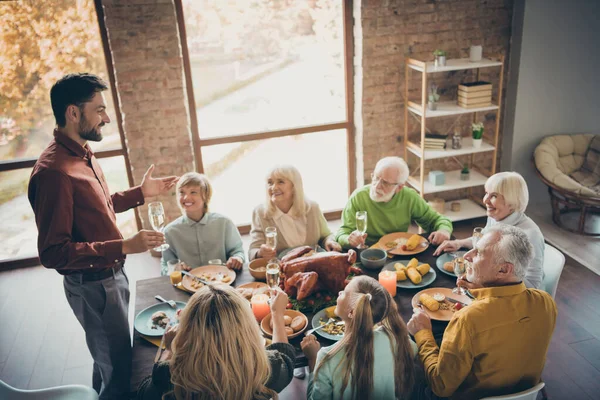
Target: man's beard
point(380, 198)
point(87, 133)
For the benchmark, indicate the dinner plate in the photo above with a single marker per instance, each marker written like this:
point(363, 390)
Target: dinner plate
point(426, 280)
point(440, 315)
point(252, 285)
point(266, 328)
point(284, 252)
point(316, 323)
point(446, 257)
point(208, 269)
point(397, 250)
point(143, 322)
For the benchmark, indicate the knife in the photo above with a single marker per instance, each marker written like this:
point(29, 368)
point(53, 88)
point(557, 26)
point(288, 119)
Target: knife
point(451, 300)
point(196, 278)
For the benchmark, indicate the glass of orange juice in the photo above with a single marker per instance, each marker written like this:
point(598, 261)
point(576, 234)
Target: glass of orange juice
point(176, 277)
point(174, 271)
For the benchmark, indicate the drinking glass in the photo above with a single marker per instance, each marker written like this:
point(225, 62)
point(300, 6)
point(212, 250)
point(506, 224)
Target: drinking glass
point(174, 271)
point(271, 237)
point(157, 220)
point(459, 270)
point(361, 225)
point(477, 234)
point(273, 273)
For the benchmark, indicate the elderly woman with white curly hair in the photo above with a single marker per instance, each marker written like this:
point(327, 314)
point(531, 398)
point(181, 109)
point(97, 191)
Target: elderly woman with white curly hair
point(506, 198)
point(299, 220)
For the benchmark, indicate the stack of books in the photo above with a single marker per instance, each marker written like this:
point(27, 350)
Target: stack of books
point(435, 141)
point(475, 94)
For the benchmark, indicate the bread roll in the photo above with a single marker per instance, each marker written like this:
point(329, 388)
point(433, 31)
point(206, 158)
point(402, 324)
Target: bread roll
point(413, 242)
point(399, 266)
point(297, 323)
point(412, 263)
point(400, 275)
point(449, 266)
point(414, 275)
point(289, 331)
point(287, 320)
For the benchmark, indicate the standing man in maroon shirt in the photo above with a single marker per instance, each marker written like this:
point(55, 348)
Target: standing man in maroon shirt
point(78, 233)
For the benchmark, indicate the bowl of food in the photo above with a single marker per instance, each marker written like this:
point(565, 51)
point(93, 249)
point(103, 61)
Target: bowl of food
point(373, 258)
point(258, 269)
point(295, 323)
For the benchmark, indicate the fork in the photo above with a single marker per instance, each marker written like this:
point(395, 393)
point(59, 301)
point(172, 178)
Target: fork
point(169, 302)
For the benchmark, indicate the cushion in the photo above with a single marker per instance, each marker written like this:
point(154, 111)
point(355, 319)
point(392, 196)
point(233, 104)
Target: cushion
point(589, 173)
point(558, 157)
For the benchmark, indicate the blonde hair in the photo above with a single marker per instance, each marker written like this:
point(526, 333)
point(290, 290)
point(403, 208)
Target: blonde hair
point(394, 162)
point(218, 351)
point(512, 187)
point(196, 179)
point(372, 304)
point(292, 174)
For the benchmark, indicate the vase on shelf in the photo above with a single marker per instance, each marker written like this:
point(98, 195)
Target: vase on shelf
point(477, 143)
point(432, 105)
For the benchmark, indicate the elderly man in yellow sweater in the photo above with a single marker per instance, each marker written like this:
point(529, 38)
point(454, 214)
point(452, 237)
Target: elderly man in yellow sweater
point(497, 345)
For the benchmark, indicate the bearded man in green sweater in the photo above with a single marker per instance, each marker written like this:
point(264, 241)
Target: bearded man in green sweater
point(391, 207)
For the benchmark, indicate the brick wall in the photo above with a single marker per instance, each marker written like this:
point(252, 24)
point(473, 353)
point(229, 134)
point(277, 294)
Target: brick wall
point(390, 31)
point(144, 43)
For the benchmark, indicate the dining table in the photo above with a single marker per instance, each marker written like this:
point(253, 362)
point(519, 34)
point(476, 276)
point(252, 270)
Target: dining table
point(144, 352)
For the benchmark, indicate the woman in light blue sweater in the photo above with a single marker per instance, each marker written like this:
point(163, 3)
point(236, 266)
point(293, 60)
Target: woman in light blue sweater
point(506, 198)
point(374, 360)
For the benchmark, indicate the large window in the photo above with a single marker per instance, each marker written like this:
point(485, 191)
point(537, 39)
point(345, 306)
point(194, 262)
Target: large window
point(39, 43)
point(269, 81)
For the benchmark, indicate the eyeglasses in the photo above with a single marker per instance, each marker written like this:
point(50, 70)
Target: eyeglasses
point(387, 185)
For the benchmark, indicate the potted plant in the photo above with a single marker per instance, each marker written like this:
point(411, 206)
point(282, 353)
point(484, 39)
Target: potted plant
point(464, 173)
point(477, 128)
point(434, 97)
point(440, 58)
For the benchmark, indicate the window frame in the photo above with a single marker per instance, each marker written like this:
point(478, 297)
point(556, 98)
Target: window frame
point(348, 124)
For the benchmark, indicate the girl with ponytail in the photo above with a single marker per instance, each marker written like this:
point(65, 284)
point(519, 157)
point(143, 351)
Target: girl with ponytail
point(374, 360)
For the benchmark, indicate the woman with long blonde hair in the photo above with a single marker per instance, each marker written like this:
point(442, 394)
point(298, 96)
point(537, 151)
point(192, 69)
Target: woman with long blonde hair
point(217, 352)
point(374, 360)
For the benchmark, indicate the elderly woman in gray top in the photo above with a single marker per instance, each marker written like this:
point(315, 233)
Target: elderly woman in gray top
point(506, 197)
point(299, 221)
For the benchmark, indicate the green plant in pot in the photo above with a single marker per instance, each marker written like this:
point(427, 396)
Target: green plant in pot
point(464, 173)
point(434, 97)
point(440, 58)
point(477, 129)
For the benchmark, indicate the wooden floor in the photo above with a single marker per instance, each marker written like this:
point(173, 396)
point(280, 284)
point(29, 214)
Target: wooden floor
point(42, 344)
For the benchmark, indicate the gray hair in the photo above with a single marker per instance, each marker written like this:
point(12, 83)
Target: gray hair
point(397, 163)
point(512, 186)
point(513, 247)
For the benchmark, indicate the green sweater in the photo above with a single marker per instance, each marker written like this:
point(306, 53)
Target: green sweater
point(394, 216)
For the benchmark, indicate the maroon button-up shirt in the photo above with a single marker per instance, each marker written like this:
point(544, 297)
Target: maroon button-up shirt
point(74, 211)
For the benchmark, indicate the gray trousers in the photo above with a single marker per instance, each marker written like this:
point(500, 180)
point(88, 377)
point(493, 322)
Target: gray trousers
point(101, 307)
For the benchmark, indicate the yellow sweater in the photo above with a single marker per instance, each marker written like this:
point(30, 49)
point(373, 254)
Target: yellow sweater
point(495, 346)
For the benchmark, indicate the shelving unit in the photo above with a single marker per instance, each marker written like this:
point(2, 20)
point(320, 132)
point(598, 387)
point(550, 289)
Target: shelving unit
point(470, 207)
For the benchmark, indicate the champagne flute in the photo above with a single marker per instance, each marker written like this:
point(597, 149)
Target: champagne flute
point(361, 225)
point(273, 273)
point(477, 234)
point(459, 269)
point(271, 237)
point(157, 220)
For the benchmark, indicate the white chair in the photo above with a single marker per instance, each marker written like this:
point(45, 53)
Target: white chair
point(529, 394)
point(554, 261)
point(67, 392)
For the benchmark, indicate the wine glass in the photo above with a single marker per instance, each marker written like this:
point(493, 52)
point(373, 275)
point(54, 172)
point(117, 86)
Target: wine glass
point(459, 270)
point(361, 225)
point(477, 234)
point(271, 237)
point(273, 273)
point(156, 213)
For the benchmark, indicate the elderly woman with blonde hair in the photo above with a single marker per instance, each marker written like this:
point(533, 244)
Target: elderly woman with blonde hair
point(217, 351)
point(299, 221)
point(506, 198)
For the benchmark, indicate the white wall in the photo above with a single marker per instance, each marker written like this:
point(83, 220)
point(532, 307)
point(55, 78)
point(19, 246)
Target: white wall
point(554, 80)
